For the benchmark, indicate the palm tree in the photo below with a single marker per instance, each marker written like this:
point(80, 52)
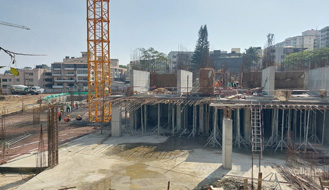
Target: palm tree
point(251, 59)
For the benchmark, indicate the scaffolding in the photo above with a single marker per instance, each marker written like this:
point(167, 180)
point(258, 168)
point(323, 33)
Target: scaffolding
point(98, 42)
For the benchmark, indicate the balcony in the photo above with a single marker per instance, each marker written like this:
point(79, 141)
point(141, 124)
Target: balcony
point(57, 87)
point(64, 80)
point(69, 68)
point(56, 74)
point(82, 80)
point(69, 75)
point(57, 69)
point(83, 75)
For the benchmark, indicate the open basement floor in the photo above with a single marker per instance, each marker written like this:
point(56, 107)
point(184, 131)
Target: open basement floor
point(140, 162)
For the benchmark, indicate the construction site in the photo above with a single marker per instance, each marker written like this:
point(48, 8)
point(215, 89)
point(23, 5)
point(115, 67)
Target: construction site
point(168, 131)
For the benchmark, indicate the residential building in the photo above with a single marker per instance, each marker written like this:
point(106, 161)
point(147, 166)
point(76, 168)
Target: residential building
point(28, 77)
point(74, 72)
point(324, 37)
point(179, 60)
point(309, 40)
point(231, 62)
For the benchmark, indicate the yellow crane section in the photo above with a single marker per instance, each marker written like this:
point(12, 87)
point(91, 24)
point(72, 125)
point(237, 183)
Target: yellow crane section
point(98, 42)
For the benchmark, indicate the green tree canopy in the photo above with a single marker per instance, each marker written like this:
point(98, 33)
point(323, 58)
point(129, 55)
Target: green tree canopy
point(307, 59)
point(150, 60)
point(200, 57)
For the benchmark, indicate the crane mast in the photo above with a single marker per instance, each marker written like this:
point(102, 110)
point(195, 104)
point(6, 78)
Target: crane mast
point(98, 48)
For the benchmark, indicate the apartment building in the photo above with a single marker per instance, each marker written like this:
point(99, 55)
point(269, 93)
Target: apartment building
point(232, 62)
point(309, 40)
point(27, 76)
point(73, 72)
point(324, 37)
point(179, 60)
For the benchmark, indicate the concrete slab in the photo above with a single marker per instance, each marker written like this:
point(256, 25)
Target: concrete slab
point(122, 163)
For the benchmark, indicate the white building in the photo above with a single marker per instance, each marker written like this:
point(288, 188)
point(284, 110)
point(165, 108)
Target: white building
point(179, 59)
point(309, 40)
point(74, 72)
point(324, 37)
point(27, 77)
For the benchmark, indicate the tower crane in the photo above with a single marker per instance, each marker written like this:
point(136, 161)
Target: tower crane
point(14, 25)
point(98, 54)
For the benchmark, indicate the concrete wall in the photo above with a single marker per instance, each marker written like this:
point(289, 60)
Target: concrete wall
point(163, 80)
point(251, 79)
point(184, 81)
point(268, 80)
point(290, 80)
point(318, 79)
point(140, 81)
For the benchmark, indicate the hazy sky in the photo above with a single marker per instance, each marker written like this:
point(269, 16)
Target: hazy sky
point(58, 28)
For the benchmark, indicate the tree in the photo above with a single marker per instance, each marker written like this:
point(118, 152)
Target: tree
point(150, 60)
point(307, 59)
point(200, 57)
point(251, 59)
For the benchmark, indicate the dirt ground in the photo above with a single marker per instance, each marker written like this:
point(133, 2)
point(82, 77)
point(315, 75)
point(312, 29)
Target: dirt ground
point(13, 103)
point(12, 181)
point(139, 162)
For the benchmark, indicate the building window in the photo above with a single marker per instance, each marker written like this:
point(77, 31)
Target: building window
point(4, 86)
point(60, 84)
point(82, 72)
point(9, 80)
point(56, 65)
point(85, 84)
point(69, 66)
point(17, 80)
point(4, 80)
point(48, 85)
point(30, 80)
point(30, 74)
point(48, 80)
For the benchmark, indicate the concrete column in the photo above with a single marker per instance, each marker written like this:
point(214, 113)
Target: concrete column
point(142, 123)
point(173, 119)
point(227, 143)
point(179, 117)
point(247, 123)
point(194, 120)
point(159, 119)
point(131, 119)
point(201, 121)
point(116, 121)
point(145, 117)
point(169, 114)
point(238, 127)
point(207, 117)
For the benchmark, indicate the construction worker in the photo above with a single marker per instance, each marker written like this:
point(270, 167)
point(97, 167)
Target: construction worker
point(78, 118)
point(59, 116)
point(67, 108)
point(77, 105)
point(67, 118)
point(73, 105)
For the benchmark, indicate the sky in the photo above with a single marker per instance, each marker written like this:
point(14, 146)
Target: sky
point(58, 28)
